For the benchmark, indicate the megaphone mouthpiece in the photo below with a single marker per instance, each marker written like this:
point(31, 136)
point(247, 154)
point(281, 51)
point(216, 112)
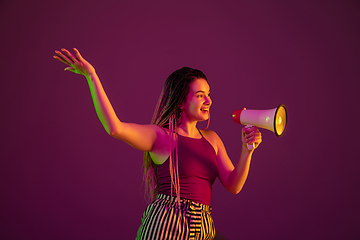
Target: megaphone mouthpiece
point(236, 115)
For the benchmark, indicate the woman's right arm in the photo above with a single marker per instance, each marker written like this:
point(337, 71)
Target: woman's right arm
point(141, 137)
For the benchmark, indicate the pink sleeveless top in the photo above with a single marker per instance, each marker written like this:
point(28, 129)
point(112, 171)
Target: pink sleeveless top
point(197, 170)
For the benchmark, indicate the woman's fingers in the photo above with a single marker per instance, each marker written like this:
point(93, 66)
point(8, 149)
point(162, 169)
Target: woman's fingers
point(248, 133)
point(61, 60)
point(71, 69)
point(252, 135)
point(78, 55)
point(69, 55)
point(65, 58)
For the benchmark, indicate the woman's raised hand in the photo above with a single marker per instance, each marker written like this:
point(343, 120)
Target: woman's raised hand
point(77, 63)
point(251, 136)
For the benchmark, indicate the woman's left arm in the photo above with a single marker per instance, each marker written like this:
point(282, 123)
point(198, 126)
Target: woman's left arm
point(233, 178)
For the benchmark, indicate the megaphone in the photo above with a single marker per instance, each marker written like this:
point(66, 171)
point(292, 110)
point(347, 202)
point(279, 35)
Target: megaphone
point(274, 119)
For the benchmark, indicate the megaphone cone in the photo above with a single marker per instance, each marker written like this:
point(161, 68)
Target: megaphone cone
point(274, 120)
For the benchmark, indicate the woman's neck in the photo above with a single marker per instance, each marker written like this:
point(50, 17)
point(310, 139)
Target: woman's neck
point(188, 129)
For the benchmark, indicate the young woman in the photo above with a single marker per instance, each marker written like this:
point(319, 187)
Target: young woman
point(181, 162)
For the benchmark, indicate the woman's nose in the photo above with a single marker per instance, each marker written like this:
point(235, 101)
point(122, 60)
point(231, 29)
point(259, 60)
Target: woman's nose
point(208, 100)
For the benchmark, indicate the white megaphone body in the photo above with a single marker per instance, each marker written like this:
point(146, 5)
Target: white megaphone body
point(274, 119)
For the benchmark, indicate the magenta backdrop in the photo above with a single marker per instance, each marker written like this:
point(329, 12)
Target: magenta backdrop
point(63, 177)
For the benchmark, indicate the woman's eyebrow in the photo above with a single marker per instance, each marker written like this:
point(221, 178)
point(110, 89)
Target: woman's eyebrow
point(201, 91)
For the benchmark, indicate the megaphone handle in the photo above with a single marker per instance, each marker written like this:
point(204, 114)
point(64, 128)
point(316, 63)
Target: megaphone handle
point(252, 145)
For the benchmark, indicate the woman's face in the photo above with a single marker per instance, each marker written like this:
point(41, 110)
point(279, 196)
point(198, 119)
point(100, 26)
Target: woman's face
point(197, 104)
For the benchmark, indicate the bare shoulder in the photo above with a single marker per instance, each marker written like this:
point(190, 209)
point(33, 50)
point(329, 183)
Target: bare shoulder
point(213, 138)
point(159, 130)
point(160, 151)
point(162, 134)
point(162, 138)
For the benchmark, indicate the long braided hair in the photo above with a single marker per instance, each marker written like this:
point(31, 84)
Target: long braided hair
point(167, 114)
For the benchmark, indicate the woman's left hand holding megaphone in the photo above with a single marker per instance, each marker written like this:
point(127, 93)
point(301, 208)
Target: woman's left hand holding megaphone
point(250, 136)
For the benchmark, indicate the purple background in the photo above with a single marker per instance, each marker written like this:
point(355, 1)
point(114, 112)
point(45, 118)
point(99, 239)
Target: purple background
point(63, 177)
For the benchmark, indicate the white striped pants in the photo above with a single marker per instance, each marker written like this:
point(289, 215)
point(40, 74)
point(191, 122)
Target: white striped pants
point(163, 219)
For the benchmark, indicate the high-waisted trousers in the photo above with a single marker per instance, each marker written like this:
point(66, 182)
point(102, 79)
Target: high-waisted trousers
point(165, 219)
